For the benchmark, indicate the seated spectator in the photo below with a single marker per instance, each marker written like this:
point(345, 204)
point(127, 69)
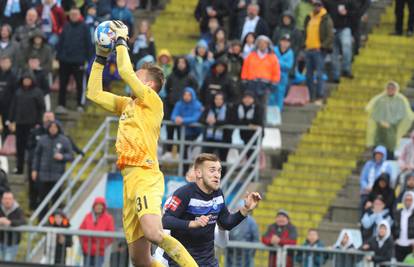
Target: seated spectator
point(382, 188)
point(373, 216)
point(288, 27)
point(238, 14)
point(218, 114)
point(248, 44)
point(8, 87)
point(281, 233)
point(200, 61)
point(372, 170)
point(406, 160)
point(234, 60)
point(381, 244)
point(217, 81)
point(399, 18)
point(103, 9)
point(98, 219)
point(207, 9)
point(286, 58)
point(52, 153)
point(26, 111)
point(311, 259)
point(142, 44)
point(274, 11)
point(248, 113)
point(410, 258)
point(345, 242)
point(52, 19)
point(403, 230)
point(13, 12)
point(74, 50)
point(4, 183)
point(22, 33)
point(8, 47)
point(253, 23)
point(164, 60)
point(11, 215)
point(246, 231)
point(38, 47)
point(317, 23)
point(261, 69)
point(218, 46)
point(407, 187)
point(390, 117)
point(121, 12)
point(60, 220)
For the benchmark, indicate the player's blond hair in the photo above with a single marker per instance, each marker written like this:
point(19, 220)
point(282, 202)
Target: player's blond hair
point(205, 157)
point(155, 74)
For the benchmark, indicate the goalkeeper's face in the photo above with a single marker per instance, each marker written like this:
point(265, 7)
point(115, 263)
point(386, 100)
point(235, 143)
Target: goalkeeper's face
point(209, 174)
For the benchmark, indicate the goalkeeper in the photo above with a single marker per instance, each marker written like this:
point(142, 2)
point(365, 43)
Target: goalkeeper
point(136, 145)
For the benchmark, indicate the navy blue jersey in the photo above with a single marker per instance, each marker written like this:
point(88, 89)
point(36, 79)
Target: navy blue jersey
point(187, 204)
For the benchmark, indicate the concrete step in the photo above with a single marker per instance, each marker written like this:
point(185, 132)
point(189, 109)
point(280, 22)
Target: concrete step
point(329, 231)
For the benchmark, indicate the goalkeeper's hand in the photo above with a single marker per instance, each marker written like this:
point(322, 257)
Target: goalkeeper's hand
point(120, 29)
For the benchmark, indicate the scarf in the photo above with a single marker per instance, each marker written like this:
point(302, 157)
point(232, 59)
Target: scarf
point(140, 43)
point(220, 115)
point(12, 7)
point(243, 115)
point(47, 19)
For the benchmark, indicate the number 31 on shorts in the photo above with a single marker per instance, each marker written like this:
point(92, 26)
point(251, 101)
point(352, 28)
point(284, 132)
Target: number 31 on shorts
point(141, 203)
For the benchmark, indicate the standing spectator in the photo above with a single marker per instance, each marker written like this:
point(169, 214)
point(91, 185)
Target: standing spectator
point(121, 12)
point(403, 230)
point(143, 43)
point(341, 12)
point(219, 45)
point(200, 61)
point(8, 87)
point(253, 23)
point(286, 59)
point(218, 114)
point(98, 219)
point(40, 78)
point(407, 187)
point(74, 49)
point(359, 15)
point(213, 26)
point(410, 257)
point(248, 44)
point(373, 216)
point(311, 259)
point(406, 160)
point(275, 10)
point(52, 20)
point(7, 46)
point(372, 170)
point(207, 9)
point(246, 231)
point(11, 215)
point(261, 70)
point(345, 242)
point(13, 12)
point(22, 33)
point(103, 9)
point(217, 81)
point(38, 47)
point(248, 113)
point(238, 13)
point(91, 20)
point(390, 117)
point(288, 27)
point(26, 111)
point(382, 188)
point(52, 153)
point(234, 60)
point(381, 244)
point(399, 17)
point(281, 233)
point(60, 220)
point(302, 10)
point(318, 42)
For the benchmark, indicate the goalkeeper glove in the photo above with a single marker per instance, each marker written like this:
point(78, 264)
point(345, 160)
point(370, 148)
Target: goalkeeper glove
point(120, 29)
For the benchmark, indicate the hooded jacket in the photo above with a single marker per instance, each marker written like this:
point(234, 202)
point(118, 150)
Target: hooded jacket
point(48, 168)
point(343, 260)
point(407, 214)
point(75, 45)
point(11, 50)
point(8, 87)
point(387, 193)
point(105, 222)
point(190, 112)
point(28, 104)
point(16, 216)
point(60, 251)
point(296, 38)
point(44, 52)
point(166, 68)
point(372, 169)
point(200, 66)
point(274, 11)
point(326, 30)
point(382, 247)
point(371, 220)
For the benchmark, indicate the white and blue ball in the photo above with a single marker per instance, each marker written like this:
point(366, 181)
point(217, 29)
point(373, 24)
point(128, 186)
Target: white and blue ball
point(104, 36)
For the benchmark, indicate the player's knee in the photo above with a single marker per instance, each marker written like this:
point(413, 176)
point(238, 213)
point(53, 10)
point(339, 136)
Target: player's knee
point(140, 261)
point(154, 236)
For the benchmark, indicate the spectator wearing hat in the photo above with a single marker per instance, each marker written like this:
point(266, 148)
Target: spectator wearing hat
point(60, 220)
point(13, 12)
point(382, 187)
point(319, 37)
point(7, 46)
point(286, 58)
point(403, 229)
point(288, 27)
point(200, 60)
point(207, 9)
point(52, 19)
point(253, 23)
point(8, 87)
point(382, 244)
point(24, 32)
point(373, 216)
point(281, 233)
point(37, 47)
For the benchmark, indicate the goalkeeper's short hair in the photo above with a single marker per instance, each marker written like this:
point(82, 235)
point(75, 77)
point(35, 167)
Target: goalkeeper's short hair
point(155, 74)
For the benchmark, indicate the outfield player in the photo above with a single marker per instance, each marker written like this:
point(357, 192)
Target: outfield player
point(138, 132)
point(196, 208)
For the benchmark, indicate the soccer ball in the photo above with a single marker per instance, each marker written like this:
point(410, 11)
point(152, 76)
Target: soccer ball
point(104, 36)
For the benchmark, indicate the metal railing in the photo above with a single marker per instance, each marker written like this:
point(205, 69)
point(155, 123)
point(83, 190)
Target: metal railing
point(394, 264)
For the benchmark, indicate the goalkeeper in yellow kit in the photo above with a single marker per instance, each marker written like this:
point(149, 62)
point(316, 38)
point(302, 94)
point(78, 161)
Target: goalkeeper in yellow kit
point(136, 145)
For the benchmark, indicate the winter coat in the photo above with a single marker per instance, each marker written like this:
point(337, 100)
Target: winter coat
point(383, 248)
point(287, 235)
point(387, 193)
point(238, 16)
point(286, 63)
point(44, 53)
point(16, 216)
point(190, 112)
point(317, 259)
point(11, 50)
point(396, 229)
point(8, 87)
point(341, 22)
point(302, 10)
point(274, 11)
point(223, 116)
point(371, 220)
point(343, 260)
point(372, 170)
point(246, 115)
point(296, 37)
point(60, 250)
point(16, 19)
point(234, 66)
point(74, 43)
point(199, 66)
point(23, 34)
point(200, 13)
point(48, 168)
point(27, 106)
point(262, 28)
point(105, 222)
point(57, 16)
point(326, 33)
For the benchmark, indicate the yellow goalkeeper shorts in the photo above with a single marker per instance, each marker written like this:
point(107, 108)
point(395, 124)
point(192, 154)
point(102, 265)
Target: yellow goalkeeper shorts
point(143, 192)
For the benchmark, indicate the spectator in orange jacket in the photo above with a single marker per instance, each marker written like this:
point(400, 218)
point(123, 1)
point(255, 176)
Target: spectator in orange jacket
point(98, 220)
point(261, 69)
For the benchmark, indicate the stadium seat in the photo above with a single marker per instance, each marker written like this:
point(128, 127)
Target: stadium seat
point(298, 96)
point(272, 139)
point(273, 117)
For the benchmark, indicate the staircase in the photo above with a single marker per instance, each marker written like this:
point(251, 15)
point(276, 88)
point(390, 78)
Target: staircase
point(314, 176)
